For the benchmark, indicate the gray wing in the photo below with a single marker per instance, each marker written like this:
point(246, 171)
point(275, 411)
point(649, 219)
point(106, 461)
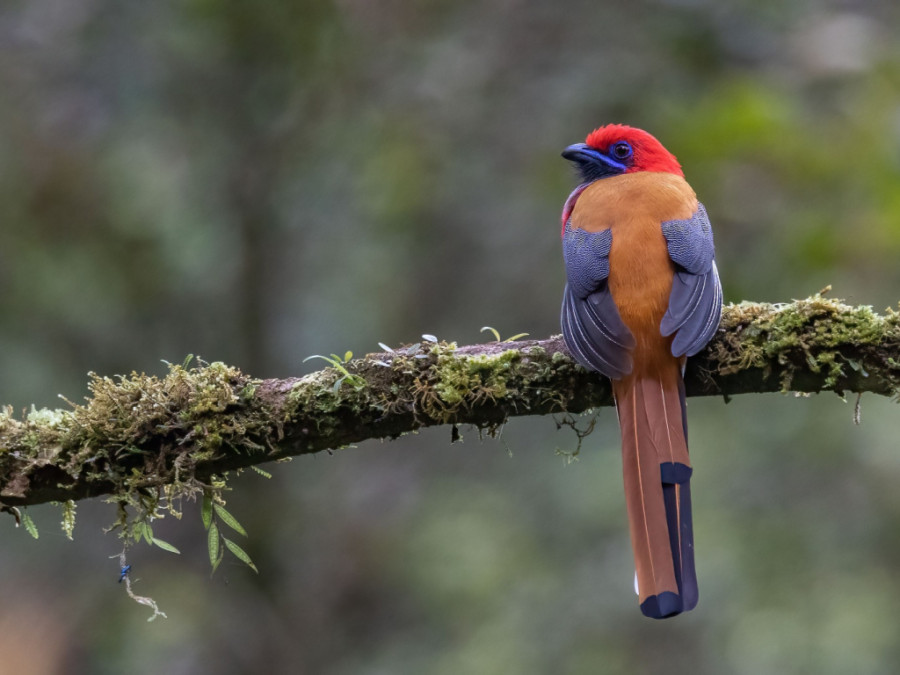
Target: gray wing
point(591, 325)
point(695, 303)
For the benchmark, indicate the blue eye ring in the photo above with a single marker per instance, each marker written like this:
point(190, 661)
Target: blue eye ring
point(621, 150)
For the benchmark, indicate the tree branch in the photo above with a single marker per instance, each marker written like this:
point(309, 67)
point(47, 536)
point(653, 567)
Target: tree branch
point(144, 437)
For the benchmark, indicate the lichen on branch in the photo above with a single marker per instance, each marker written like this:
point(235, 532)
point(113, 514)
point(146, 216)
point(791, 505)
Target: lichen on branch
point(143, 440)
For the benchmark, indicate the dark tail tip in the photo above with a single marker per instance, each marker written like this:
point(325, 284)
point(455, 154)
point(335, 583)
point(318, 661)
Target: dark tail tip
point(689, 591)
point(662, 606)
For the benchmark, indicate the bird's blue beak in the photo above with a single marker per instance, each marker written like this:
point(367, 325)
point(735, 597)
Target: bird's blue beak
point(591, 163)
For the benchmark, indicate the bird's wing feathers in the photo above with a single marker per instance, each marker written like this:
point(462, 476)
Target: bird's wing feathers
point(592, 327)
point(586, 255)
point(695, 304)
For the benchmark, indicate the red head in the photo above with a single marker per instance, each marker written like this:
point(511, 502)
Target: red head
point(616, 149)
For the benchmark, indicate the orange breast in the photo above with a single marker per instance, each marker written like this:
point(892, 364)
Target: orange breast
point(634, 206)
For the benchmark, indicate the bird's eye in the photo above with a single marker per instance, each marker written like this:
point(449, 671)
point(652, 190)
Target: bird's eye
point(621, 150)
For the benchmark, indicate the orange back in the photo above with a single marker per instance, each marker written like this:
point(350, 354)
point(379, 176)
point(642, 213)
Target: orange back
point(634, 206)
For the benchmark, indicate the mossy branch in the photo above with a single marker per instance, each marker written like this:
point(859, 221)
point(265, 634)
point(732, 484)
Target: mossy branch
point(141, 439)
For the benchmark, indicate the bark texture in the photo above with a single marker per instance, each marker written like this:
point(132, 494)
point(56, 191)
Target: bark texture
point(141, 438)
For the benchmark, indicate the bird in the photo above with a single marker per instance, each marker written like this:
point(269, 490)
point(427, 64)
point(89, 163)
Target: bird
point(642, 294)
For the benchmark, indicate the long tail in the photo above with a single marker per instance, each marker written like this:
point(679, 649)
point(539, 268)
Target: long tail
point(657, 490)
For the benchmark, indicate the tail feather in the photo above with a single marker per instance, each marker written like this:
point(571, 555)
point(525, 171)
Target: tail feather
point(657, 473)
point(690, 592)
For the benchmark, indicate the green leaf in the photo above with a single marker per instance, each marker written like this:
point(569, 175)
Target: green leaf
point(68, 520)
point(29, 525)
point(493, 330)
point(217, 561)
point(857, 366)
point(516, 337)
point(143, 530)
point(348, 355)
point(239, 553)
point(333, 362)
point(229, 520)
point(496, 334)
point(165, 546)
point(206, 510)
point(212, 544)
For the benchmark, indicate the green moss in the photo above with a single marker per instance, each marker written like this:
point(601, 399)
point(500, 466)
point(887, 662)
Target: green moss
point(433, 381)
point(136, 433)
point(805, 334)
point(321, 394)
point(141, 439)
point(472, 379)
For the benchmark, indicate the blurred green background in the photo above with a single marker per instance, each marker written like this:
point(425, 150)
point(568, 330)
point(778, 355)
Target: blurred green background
point(258, 182)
